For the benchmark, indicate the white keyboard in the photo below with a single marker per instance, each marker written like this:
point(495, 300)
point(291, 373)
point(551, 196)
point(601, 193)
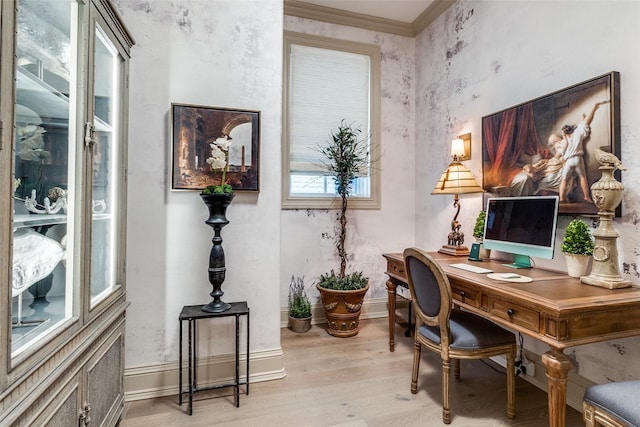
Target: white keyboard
point(471, 268)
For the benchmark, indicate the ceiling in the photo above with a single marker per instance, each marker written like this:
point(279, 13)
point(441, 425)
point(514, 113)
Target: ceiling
point(406, 11)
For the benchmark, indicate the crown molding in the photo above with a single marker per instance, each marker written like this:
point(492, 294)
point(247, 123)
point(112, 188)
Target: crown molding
point(373, 23)
point(343, 17)
point(430, 14)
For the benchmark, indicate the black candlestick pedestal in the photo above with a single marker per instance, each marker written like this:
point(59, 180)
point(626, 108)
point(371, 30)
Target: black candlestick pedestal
point(217, 205)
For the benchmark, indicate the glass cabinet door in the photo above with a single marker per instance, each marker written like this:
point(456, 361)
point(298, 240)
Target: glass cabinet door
point(108, 66)
point(44, 170)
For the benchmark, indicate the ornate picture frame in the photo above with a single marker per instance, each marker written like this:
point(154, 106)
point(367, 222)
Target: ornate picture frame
point(195, 128)
point(531, 148)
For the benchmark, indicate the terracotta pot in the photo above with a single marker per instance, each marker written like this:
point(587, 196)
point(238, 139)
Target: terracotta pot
point(299, 325)
point(577, 265)
point(342, 310)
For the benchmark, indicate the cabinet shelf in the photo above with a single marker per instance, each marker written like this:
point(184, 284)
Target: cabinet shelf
point(37, 220)
point(35, 99)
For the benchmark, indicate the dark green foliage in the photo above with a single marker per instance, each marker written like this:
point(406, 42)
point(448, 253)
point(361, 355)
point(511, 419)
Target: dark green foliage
point(347, 155)
point(349, 282)
point(478, 228)
point(577, 239)
point(218, 189)
point(299, 304)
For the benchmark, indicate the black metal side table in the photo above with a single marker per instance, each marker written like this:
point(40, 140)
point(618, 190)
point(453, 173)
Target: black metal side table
point(193, 313)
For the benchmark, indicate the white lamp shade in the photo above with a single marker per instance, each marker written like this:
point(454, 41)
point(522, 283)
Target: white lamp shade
point(457, 180)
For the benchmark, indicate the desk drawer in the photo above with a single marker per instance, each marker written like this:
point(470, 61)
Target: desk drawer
point(465, 294)
point(515, 314)
point(396, 268)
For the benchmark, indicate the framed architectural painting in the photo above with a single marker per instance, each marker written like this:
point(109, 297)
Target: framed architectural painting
point(547, 146)
point(210, 142)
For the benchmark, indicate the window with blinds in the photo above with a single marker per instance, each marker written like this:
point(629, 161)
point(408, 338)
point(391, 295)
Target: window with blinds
point(327, 81)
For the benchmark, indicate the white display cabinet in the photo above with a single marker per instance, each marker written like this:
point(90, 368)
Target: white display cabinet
point(63, 121)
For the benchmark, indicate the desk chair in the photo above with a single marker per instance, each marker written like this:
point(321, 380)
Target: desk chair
point(612, 405)
point(451, 332)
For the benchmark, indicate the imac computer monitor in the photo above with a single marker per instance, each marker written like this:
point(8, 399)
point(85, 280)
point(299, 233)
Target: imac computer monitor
point(522, 226)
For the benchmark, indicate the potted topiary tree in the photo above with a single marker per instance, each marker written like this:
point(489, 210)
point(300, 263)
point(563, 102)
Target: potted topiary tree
point(299, 306)
point(478, 234)
point(342, 294)
point(577, 246)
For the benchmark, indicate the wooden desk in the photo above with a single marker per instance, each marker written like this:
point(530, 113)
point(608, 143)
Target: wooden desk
point(555, 309)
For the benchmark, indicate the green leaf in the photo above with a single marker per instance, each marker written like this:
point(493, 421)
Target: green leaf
point(577, 239)
point(349, 282)
point(299, 304)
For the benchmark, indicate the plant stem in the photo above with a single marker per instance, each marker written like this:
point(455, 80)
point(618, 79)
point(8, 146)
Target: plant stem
point(342, 253)
point(224, 169)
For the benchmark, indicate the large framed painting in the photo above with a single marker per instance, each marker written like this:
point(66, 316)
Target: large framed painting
point(199, 134)
point(547, 146)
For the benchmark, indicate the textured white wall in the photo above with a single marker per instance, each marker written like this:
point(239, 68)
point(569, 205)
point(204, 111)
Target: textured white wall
point(225, 53)
point(480, 57)
point(476, 59)
point(308, 236)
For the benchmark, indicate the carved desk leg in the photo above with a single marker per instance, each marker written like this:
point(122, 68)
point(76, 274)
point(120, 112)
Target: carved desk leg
point(391, 294)
point(558, 366)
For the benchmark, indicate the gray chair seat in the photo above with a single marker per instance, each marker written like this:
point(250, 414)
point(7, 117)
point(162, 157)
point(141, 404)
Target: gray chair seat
point(469, 331)
point(620, 399)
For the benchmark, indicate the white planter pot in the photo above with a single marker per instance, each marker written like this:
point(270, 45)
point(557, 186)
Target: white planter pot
point(577, 265)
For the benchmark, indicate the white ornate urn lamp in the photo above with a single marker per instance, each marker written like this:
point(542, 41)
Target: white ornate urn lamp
point(607, 195)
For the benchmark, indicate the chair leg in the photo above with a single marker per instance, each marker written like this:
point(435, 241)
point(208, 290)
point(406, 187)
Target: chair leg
point(446, 406)
point(416, 367)
point(456, 368)
point(588, 415)
point(511, 383)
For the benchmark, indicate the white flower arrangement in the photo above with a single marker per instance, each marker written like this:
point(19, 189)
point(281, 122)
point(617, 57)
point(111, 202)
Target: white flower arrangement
point(219, 160)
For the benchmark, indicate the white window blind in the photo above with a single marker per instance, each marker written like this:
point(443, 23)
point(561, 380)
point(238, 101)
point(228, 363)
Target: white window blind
point(327, 81)
point(326, 86)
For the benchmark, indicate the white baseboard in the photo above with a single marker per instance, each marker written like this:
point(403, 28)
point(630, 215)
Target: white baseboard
point(371, 309)
point(162, 380)
point(146, 382)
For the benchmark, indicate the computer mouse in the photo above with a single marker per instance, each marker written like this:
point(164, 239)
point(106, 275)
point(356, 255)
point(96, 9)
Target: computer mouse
point(510, 276)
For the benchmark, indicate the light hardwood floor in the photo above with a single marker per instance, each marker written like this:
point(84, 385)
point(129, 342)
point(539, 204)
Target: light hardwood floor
point(356, 382)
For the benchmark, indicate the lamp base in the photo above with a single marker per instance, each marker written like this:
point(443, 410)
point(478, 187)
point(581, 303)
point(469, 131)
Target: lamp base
point(454, 250)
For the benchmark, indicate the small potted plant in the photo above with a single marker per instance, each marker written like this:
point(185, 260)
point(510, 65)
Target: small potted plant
point(342, 294)
point(577, 246)
point(478, 234)
point(299, 306)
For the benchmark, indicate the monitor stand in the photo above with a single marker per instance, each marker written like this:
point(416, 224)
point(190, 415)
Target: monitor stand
point(519, 261)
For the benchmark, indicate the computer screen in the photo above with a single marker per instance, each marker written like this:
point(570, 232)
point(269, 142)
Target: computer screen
point(522, 226)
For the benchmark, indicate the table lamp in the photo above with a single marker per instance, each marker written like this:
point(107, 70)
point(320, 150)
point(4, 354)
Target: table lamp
point(456, 180)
